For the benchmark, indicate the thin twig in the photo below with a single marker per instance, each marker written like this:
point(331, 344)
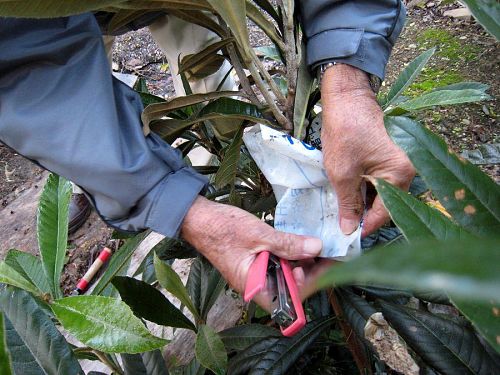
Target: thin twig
point(282, 120)
point(291, 57)
point(102, 357)
point(352, 340)
point(245, 83)
point(267, 77)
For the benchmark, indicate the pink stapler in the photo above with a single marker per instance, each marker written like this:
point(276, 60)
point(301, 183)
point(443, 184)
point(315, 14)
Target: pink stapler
point(269, 271)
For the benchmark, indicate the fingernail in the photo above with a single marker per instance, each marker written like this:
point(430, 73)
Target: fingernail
point(312, 246)
point(348, 225)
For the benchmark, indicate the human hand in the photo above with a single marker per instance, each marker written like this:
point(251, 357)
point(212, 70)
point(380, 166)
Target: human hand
point(231, 238)
point(355, 143)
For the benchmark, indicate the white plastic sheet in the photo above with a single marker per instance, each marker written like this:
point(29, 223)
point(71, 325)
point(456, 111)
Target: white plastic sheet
point(307, 203)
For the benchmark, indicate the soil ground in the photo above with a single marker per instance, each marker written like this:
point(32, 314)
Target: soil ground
point(464, 53)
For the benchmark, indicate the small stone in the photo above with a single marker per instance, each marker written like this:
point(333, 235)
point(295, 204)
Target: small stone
point(459, 13)
point(430, 5)
point(466, 121)
point(412, 46)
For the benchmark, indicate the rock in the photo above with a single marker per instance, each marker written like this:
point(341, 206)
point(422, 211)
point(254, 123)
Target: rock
point(413, 46)
point(459, 13)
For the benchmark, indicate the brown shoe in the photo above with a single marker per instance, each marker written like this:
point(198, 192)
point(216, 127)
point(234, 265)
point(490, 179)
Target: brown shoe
point(79, 211)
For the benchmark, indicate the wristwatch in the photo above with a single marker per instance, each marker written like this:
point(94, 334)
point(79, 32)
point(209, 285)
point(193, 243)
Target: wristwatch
point(375, 82)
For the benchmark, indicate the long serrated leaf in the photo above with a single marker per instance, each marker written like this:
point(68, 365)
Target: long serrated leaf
point(193, 284)
point(416, 219)
point(158, 110)
point(5, 361)
point(199, 18)
point(9, 275)
point(469, 195)
point(407, 76)
point(165, 4)
point(229, 165)
point(484, 317)
point(241, 337)
point(51, 8)
point(222, 108)
point(199, 58)
point(465, 86)
point(445, 345)
point(245, 360)
point(265, 24)
point(37, 343)
point(52, 228)
point(212, 284)
point(281, 356)
point(466, 268)
point(233, 12)
point(149, 303)
point(148, 363)
point(169, 279)
point(118, 260)
point(442, 97)
point(305, 86)
point(210, 351)
point(356, 310)
point(105, 324)
point(30, 267)
point(487, 13)
point(122, 18)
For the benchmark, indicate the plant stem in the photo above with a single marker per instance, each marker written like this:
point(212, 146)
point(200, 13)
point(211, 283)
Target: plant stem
point(291, 56)
point(352, 340)
point(272, 85)
point(282, 120)
point(102, 357)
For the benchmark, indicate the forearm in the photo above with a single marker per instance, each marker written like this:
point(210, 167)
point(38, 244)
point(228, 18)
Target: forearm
point(61, 108)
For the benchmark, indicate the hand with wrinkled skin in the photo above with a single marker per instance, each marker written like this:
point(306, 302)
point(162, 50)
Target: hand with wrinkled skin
point(355, 143)
point(230, 238)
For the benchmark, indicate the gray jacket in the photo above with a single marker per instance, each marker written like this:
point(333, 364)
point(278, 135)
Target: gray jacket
point(60, 107)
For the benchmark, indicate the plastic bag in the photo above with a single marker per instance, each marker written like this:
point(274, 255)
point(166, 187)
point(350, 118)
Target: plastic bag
point(307, 203)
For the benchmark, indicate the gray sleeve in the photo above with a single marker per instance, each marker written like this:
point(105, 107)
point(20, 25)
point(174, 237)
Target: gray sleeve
point(60, 107)
point(360, 33)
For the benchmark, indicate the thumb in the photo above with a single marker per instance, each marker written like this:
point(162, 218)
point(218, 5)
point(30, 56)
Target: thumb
point(293, 247)
point(375, 217)
point(350, 201)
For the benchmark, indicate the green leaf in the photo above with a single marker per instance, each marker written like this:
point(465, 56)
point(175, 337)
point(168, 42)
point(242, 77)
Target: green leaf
point(204, 285)
point(199, 18)
point(487, 13)
point(171, 248)
point(484, 317)
point(356, 310)
point(448, 347)
point(105, 324)
point(229, 165)
point(35, 343)
point(407, 76)
point(468, 194)
point(465, 86)
point(441, 97)
point(51, 8)
point(244, 361)
point(416, 219)
point(218, 109)
point(305, 86)
point(258, 17)
point(210, 351)
point(281, 356)
point(159, 110)
point(122, 18)
point(148, 363)
point(169, 279)
point(9, 275)
point(268, 52)
point(241, 337)
point(149, 303)
point(5, 362)
point(52, 229)
point(118, 260)
point(466, 268)
point(199, 58)
point(233, 12)
point(165, 4)
point(30, 267)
